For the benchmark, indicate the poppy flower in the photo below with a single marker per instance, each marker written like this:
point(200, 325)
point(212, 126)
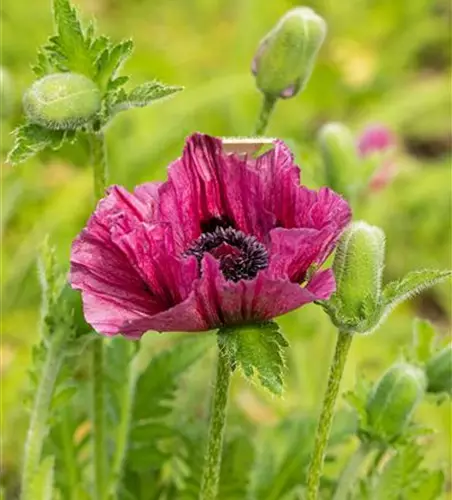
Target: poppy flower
point(225, 240)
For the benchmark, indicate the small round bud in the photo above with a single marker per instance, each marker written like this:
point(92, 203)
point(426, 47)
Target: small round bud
point(439, 371)
point(340, 158)
point(62, 101)
point(393, 400)
point(358, 268)
point(6, 93)
point(285, 57)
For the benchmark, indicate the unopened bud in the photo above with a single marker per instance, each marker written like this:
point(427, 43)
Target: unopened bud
point(439, 371)
point(393, 400)
point(340, 158)
point(285, 57)
point(62, 101)
point(358, 267)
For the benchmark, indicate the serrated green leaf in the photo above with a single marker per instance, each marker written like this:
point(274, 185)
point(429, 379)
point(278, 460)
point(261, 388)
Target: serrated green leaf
point(71, 41)
point(413, 283)
point(258, 351)
point(154, 392)
point(143, 95)
point(31, 139)
point(110, 61)
point(424, 334)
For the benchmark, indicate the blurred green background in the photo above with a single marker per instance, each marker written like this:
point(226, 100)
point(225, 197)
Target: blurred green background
point(384, 61)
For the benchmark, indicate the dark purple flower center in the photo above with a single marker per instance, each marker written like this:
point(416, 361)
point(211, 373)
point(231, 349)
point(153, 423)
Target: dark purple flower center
point(241, 256)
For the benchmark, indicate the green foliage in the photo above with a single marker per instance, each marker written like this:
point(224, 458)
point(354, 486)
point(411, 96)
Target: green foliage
point(154, 392)
point(361, 303)
point(258, 351)
point(403, 477)
point(143, 95)
point(31, 139)
point(76, 57)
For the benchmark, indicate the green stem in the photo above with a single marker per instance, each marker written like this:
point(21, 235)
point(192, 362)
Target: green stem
point(344, 341)
point(122, 430)
point(268, 104)
point(70, 460)
point(212, 461)
point(39, 417)
point(99, 163)
point(98, 418)
point(349, 474)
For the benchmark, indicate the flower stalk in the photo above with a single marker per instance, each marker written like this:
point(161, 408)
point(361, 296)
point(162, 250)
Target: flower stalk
point(268, 105)
point(212, 461)
point(39, 417)
point(99, 163)
point(344, 341)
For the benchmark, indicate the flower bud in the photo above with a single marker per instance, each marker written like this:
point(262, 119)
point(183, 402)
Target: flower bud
point(393, 400)
point(358, 267)
point(62, 101)
point(439, 371)
point(285, 57)
point(340, 158)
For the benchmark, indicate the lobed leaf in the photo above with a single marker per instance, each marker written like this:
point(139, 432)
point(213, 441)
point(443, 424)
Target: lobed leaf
point(30, 139)
point(257, 350)
point(141, 96)
point(413, 283)
point(71, 43)
point(110, 61)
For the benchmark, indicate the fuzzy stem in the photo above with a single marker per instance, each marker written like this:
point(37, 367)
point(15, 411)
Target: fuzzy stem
point(99, 163)
point(122, 430)
point(326, 417)
point(212, 461)
point(268, 105)
point(349, 474)
point(39, 417)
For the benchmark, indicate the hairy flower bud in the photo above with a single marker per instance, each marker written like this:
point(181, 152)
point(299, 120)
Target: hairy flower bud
point(439, 371)
point(62, 101)
point(358, 267)
point(393, 400)
point(285, 57)
point(340, 158)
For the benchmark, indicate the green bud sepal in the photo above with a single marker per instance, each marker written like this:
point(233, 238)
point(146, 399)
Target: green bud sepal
point(62, 101)
point(285, 57)
point(361, 302)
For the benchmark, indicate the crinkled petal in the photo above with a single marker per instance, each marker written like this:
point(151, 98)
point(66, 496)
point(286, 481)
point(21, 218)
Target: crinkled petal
point(205, 184)
point(292, 204)
point(222, 302)
point(294, 251)
point(112, 291)
point(149, 248)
